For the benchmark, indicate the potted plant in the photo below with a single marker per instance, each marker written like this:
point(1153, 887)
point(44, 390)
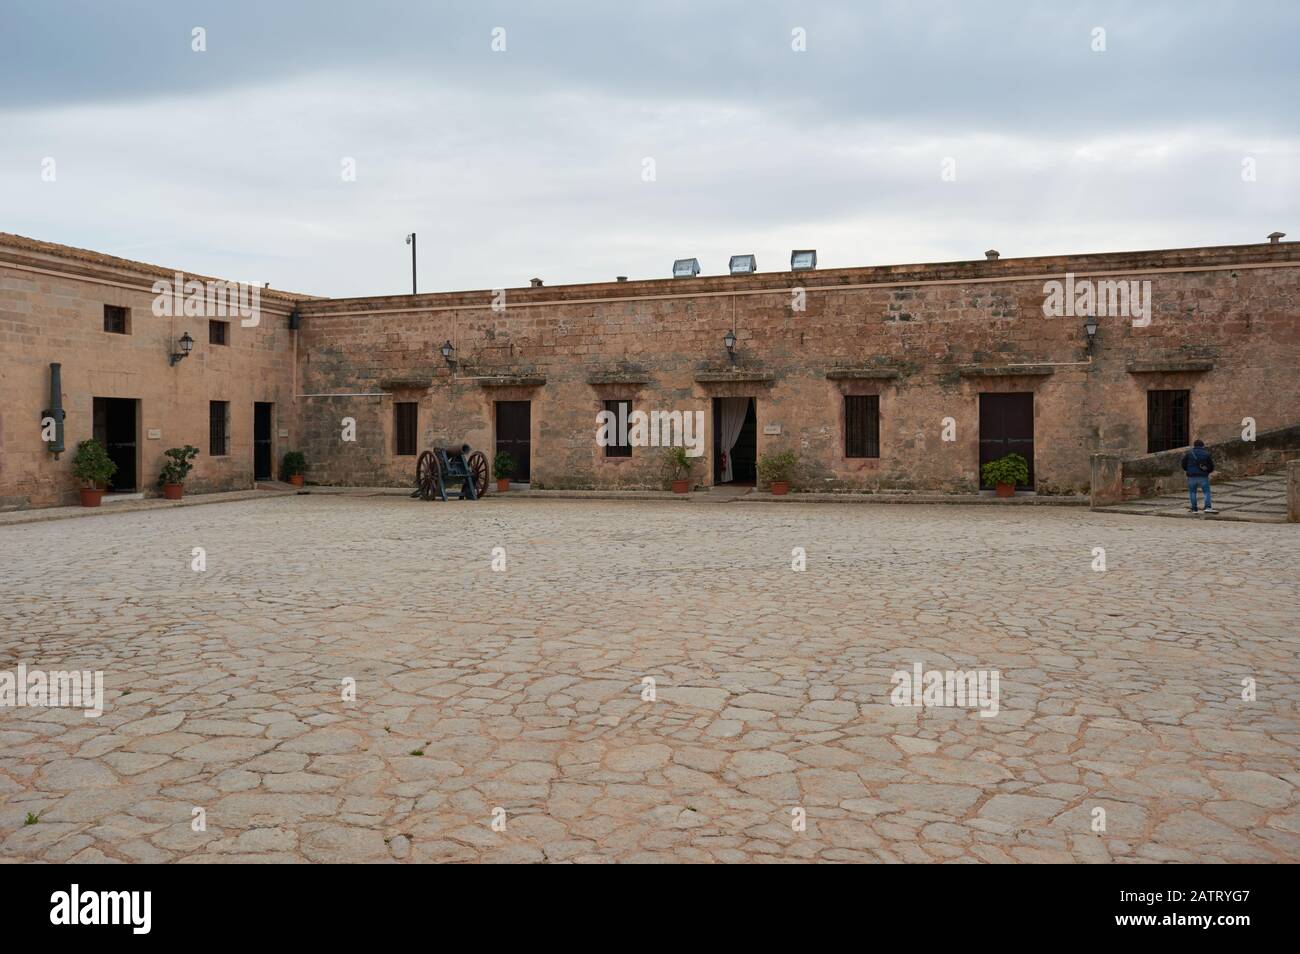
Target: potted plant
point(503, 465)
point(175, 469)
point(777, 470)
point(293, 467)
point(678, 463)
point(92, 467)
point(1005, 473)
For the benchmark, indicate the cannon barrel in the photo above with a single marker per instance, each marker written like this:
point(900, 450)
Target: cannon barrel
point(55, 410)
point(453, 451)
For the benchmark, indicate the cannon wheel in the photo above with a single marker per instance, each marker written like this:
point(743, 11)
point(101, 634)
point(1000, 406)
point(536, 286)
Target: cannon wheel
point(426, 475)
point(479, 468)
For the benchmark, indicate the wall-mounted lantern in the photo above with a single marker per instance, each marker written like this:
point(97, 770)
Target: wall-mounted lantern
point(449, 354)
point(186, 345)
point(1090, 329)
point(729, 340)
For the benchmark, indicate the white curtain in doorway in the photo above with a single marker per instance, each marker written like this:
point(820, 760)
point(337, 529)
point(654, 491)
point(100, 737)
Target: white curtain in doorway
point(733, 419)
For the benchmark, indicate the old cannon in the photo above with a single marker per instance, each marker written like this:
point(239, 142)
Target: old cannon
point(435, 469)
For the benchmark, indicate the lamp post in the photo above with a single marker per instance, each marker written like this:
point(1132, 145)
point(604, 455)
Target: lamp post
point(186, 345)
point(410, 240)
point(729, 340)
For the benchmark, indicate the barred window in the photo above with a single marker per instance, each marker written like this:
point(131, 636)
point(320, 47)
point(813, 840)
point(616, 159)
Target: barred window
point(1168, 420)
point(218, 428)
point(115, 320)
point(861, 425)
point(620, 447)
point(406, 417)
point(218, 332)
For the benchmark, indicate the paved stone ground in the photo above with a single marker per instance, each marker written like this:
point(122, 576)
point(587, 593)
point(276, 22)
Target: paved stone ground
point(1259, 499)
point(522, 690)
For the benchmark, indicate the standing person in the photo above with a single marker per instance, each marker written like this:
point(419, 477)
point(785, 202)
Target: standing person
point(1198, 465)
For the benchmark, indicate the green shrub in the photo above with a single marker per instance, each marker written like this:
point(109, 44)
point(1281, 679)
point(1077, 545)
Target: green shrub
point(293, 464)
point(678, 463)
point(92, 465)
point(1012, 469)
point(503, 465)
point(178, 466)
point(777, 468)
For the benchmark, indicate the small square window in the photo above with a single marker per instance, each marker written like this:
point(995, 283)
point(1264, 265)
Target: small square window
point(116, 320)
point(218, 332)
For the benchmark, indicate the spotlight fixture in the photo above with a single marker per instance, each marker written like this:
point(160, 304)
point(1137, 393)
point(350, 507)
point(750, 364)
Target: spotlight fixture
point(743, 265)
point(803, 259)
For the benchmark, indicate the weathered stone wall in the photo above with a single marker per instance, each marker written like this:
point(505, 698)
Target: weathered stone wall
point(928, 339)
point(1154, 474)
point(52, 310)
point(1225, 324)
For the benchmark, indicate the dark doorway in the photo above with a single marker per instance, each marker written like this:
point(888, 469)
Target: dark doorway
point(262, 445)
point(744, 455)
point(1007, 427)
point(514, 429)
point(114, 427)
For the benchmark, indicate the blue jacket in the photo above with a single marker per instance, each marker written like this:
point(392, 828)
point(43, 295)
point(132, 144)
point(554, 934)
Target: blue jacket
point(1197, 462)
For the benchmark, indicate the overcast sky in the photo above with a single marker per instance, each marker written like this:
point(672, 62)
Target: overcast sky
point(532, 161)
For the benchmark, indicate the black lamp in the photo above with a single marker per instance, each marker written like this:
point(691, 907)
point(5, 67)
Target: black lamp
point(729, 339)
point(449, 353)
point(186, 345)
point(1090, 329)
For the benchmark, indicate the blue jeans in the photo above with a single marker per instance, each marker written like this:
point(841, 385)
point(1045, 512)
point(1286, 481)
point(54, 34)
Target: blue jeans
point(1204, 484)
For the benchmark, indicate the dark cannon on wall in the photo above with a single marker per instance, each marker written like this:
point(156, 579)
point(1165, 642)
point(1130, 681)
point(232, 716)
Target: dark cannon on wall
point(435, 469)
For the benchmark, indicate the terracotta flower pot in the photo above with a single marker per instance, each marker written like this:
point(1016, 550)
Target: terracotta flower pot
point(503, 484)
point(173, 491)
point(780, 488)
point(91, 496)
point(681, 486)
point(297, 480)
point(1006, 490)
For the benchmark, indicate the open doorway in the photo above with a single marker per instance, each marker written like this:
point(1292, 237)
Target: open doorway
point(115, 428)
point(735, 440)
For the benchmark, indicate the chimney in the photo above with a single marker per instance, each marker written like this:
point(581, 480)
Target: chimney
point(621, 278)
point(535, 282)
point(991, 255)
point(1275, 237)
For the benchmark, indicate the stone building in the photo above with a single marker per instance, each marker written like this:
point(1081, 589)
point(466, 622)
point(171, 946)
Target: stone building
point(899, 377)
point(94, 315)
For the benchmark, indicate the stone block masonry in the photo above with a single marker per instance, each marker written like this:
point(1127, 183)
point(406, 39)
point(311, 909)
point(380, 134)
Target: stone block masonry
point(927, 342)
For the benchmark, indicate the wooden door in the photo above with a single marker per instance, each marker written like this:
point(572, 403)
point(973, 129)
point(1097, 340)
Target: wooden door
point(1007, 427)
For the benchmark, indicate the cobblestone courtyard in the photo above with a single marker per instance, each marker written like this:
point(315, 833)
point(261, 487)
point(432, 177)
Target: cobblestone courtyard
point(522, 689)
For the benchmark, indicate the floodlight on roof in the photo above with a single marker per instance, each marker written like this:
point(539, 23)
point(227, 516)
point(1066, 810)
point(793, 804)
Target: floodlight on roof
point(803, 259)
point(686, 268)
point(743, 265)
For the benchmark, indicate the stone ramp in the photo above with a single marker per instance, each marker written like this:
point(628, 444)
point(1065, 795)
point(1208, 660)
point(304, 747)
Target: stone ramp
point(1260, 499)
